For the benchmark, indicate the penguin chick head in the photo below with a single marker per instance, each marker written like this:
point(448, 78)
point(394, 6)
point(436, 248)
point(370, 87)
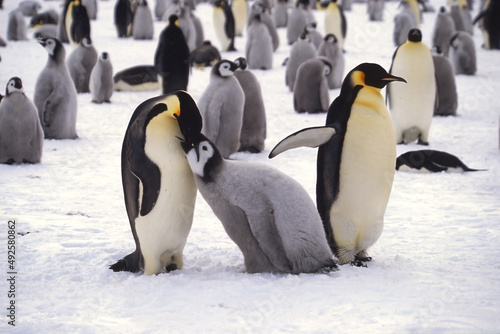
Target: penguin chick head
point(372, 75)
point(224, 68)
point(415, 35)
point(86, 41)
point(104, 56)
point(327, 65)
point(311, 26)
point(241, 62)
point(14, 85)
point(330, 38)
point(53, 46)
point(203, 157)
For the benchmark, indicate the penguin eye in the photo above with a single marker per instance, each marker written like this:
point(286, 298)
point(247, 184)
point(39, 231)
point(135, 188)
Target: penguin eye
point(205, 148)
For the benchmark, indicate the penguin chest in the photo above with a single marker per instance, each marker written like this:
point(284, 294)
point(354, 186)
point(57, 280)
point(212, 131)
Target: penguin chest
point(333, 23)
point(219, 19)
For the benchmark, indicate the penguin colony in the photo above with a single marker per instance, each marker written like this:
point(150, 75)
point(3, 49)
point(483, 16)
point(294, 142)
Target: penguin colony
point(277, 231)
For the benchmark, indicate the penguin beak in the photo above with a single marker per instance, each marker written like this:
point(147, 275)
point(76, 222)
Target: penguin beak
point(187, 147)
point(42, 41)
point(391, 78)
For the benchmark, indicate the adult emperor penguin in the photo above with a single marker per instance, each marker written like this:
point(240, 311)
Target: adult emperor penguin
point(21, 135)
point(375, 10)
point(62, 35)
point(330, 49)
point(16, 27)
point(355, 166)
point(335, 22)
point(224, 25)
point(444, 27)
point(488, 22)
point(55, 94)
point(77, 22)
point(80, 63)
point(277, 231)
point(259, 45)
point(142, 27)
point(463, 53)
point(221, 107)
point(431, 161)
point(412, 105)
point(205, 55)
point(101, 80)
point(137, 78)
point(302, 50)
point(158, 185)
point(172, 58)
point(446, 98)
point(254, 126)
point(123, 18)
point(310, 91)
point(240, 14)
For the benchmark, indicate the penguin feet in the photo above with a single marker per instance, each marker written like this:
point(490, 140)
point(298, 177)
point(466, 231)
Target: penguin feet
point(358, 263)
point(421, 142)
point(171, 267)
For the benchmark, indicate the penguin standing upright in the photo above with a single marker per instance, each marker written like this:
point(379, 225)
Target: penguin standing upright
point(310, 91)
point(314, 34)
point(21, 135)
point(77, 22)
point(375, 10)
point(158, 185)
point(123, 18)
point(488, 21)
point(172, 58)
point(187, 26)
point(463, 53)
point(221, 107)
point(142, 27)
point(240, 13)
point(460, 13)
point(404, 21)
point(16, 27)
point(101, 84)
point(205, 55)
point(62, 35)
point(259, 45)
point(412, 105)
point(330, 49)
point(55, 94)
point(302, 50)
point(259, 8)
point(160, 8)
point(280, 13)
point(298, 18)
point(335, 22)
point(355, 166)
point(224, 25)
point(91, 6)
point(444, 27)
point(446, 98)
point(80, 63)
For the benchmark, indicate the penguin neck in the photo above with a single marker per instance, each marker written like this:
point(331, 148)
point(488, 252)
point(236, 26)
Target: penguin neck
point(212, 168)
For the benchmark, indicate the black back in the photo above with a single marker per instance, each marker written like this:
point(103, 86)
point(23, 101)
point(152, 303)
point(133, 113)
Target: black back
point(123, 17)
point(80, 26)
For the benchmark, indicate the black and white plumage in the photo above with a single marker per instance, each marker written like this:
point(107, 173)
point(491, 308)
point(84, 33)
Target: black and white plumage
point(136, 78)
point(224, 25)
point(123, 18)
point(489, 24)
point(205, 55)
point(77, 22)
point(431, 161)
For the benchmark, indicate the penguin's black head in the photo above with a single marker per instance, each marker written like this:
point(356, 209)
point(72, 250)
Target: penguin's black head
point(104, 56)
point(14, 85)
point(373, 75)
point(415, 35)
point(241, 62)
point(185, 110)
point(224, 68)
point(172, 20)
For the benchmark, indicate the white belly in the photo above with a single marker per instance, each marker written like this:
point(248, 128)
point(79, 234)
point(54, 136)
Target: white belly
point(333, 24)
point(219, 20)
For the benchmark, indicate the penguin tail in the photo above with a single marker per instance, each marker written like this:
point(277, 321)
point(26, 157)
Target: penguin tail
point(130, 263)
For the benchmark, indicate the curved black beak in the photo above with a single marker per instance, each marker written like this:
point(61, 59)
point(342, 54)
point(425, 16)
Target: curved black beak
point(391, 78)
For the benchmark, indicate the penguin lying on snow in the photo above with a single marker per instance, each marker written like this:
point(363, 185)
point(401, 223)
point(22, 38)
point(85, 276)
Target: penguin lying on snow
point(137, 78)
point(431, 161)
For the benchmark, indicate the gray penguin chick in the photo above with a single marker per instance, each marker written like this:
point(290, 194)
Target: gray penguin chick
point(463, 53)
point(266, 213)
point(21, 135)
point(301, 50)
point(446, 98)
point(16, 27)
point(259, 8)
point(375, 10)
point(403, 22)
point(310, 91)
point(80, 63)
point(444, 27)
point(259, 45)
point(331, 49)
point(101, 83)
point(55, 94)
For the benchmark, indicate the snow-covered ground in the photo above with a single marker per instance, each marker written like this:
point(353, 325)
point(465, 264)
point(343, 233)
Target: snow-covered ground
point(436, 267)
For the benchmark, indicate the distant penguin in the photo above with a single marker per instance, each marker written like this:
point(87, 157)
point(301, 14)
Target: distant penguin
point(137, 78)
point(240, 13)
point(355, 164)
point(298, 18)
point(310, 91)
point(347, 5)
point(55, 94)
point(45, 31)
point(375, 10)
point(47, 17)
point(431, 161)
point(335, 21)
point(254, 126)
point(21, 135)
point(488, 22)
point(16, 27)
point(280, 13)
point(91, 6)
point(62, 35)
point(412, 6)
point(205, 55)
point(403, 23)
point(3, 43)
point(80, 63)
point(314, 34)
point(172, 58)
point(160, 8)
point(463, 53)
point(444, 27)
point(158, 185)
point(446, 98)
point(301, 50)
point(123, 18)
point(198, 28)
point(77, 22)
point(101, 80)
point(224, 25)
point(258, 8)
point(29, 7)
point(221, 107)
point(186, 24)
point(173, 7)
point(412, 105)
point(259, 45)
point(142, 27)
point(269, 215)
point(330, 49)
point(462, 18)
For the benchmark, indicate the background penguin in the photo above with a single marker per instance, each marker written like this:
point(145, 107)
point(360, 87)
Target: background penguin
point(301, 50)
point(298, 18)
point(21, 135)
point(173, 7)
point(314, 34)
point(412, 6)
point(488, 22)
point(224, 25)
point(277, 231)
point(412, 105)
point(221, 107)
point(444, 27)
point(375, 10)
point(91, 6)
point(403, 23)
point(172, 58)
point(3, 43)
point(29, 7)
point(254, 126)
point(431, 161)
point(136, 78)
point(310, 91)
point(463, 53)
point(186, 24)
point(158, 185)
point(280, 13)
point(142, 27)
point(16, 27)
point(47, 17)
point(461, 16)
point(77, 22)
point(205, 55)
point(160, 8)
point(80, 63)
point(355, 163)
point(62, 35)
point(45, 31)
point(55, 94)
point(446, 98)
point(259, 45)
point(123, 17)
point(240, 14)
point(198, 28)
point(330, 49)
point(259, 8)
point(101, 79)
point(335, 22)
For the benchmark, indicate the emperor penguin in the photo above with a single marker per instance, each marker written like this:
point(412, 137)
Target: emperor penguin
point(314, 34)
point(335, 21)
point(16, 27)
point(62, 35)
point(375, 10)
point(187, 26)
point(77, 22)
point(136, 78)
point(259, 45)
point(91, 6)
point(414, 9)
point(280, 13)
point(258, 8)
point(21, 135)
point(160, 8)
point(198, 28)
point(412, 105)
point(298, 18)
point(205, 55)
point(431, 161)
point(269, 215)
point(240, 13)
point(254, 127)
point(404, 21)
point(330, 49)
point(221, 107)
point(463, 53)
point(158, 185)
point(301, 50)
point(55, 94)
point(224, 25)
point(80, 63)
point(310, 91)
point(488, 22)
point(47, 17)
point(446, 98)
point(444, 27)
point(355, 165)
point(123, 18)
point(172, 58)
point(460, 13)
point(101, 84)
point(142, 27)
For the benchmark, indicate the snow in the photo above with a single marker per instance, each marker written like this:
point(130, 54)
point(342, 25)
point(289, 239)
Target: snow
point(435, 268)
